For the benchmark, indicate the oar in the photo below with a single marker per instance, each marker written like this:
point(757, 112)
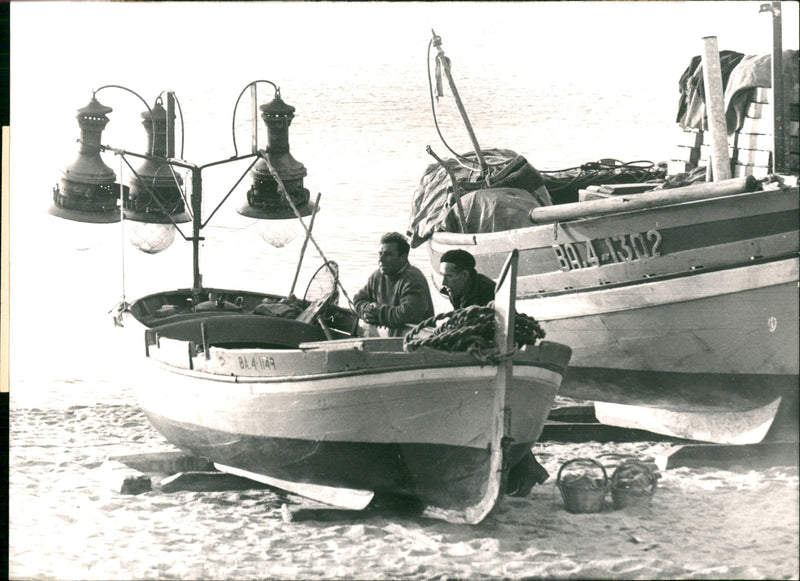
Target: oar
point(348, 498)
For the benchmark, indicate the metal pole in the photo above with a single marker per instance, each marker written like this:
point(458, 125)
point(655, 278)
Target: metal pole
point(437, 42)
point(197, 210)
point(778, 101)
point(170, 124)
point(305, 243)
point(253, 118)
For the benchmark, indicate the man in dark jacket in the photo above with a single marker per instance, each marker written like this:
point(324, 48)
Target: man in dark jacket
point(463, 285)
point(397, 294)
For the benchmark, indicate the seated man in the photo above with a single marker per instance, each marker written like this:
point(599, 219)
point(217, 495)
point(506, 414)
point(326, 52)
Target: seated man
point(463, 285)
point(397, 293)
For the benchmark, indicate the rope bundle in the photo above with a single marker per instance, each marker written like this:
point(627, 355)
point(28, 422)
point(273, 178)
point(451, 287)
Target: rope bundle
point(472, 329)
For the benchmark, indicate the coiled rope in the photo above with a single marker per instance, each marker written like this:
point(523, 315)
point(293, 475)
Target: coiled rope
point(472, 329)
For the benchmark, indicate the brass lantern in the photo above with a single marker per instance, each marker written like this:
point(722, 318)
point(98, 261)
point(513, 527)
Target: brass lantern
point(264, 199)
point(88, 192)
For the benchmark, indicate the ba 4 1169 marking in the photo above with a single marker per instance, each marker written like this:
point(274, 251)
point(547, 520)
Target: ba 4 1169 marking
point(611, 250)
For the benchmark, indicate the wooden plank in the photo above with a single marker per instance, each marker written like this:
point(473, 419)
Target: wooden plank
point(747, 456)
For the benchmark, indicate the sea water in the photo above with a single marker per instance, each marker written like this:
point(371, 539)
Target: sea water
point(560, 83)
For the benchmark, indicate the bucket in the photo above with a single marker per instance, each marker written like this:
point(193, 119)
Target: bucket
point(633, 483)
point(582, 487)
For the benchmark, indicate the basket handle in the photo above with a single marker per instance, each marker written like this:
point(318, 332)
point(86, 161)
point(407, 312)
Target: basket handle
point(646, 466)
point(586, 461)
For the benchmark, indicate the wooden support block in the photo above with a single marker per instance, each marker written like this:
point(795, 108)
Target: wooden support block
point(744, 456)
point(208, 481)
point(759, 110)
point(740, 171)
point(690, 138)
point(794, 128)
point(675, 167)
point(758, 157)
point(687, 154)
point(762, 95)
point(754, 141)
point(124, 480)
point(761, 126)
point(163, 462)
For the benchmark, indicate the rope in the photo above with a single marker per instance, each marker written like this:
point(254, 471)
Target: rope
point(609, 170)
point(472, 329)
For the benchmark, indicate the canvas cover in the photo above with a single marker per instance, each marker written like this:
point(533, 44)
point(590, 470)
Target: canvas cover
point(514, 188)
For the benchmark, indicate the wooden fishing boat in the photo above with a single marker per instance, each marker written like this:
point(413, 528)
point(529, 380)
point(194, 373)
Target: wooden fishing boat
point(348, 420)
point(680, 304)
point(294, 397)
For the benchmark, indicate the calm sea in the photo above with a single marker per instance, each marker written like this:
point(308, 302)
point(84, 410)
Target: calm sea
point(560, 83)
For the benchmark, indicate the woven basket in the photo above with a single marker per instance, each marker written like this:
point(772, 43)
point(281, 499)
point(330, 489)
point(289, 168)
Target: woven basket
point(581, 492)
point(633, 483)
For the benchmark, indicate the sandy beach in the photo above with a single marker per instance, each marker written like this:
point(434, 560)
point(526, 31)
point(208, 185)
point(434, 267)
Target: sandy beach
point(702, 523)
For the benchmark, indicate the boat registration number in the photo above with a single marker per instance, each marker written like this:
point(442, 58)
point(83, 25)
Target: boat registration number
point(611, 250)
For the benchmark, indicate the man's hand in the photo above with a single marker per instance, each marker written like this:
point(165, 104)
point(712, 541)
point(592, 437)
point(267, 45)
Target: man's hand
point(370, 313)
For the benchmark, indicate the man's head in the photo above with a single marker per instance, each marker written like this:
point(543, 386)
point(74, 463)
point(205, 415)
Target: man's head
point(393, 255)
point(456, 267)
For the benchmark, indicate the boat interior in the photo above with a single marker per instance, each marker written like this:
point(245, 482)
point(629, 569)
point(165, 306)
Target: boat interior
point(237, 319)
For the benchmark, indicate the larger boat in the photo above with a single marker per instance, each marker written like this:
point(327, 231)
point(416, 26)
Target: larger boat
point(680, 301)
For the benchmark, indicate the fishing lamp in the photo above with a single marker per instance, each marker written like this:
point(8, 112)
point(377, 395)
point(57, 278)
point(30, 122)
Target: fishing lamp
point(88, 192)
point(155, 203)
point(265, 199)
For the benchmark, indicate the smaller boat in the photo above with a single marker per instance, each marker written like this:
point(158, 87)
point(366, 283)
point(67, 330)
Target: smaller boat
point(347, 421)
point(284, 390)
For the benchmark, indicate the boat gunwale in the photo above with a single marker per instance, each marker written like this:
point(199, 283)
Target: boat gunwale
point(472, 238)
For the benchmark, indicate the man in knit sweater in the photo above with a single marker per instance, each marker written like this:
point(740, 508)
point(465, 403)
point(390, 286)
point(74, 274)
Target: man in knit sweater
point(397, 294)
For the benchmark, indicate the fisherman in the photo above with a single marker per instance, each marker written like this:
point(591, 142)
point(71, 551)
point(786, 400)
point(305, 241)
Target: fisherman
point(464, 285)
point(396, 294)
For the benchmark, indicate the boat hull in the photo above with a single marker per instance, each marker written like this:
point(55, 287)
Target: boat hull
point(703, 317)
point(414, 426)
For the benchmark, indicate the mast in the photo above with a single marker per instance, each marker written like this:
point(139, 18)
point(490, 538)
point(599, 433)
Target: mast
point(445, 63)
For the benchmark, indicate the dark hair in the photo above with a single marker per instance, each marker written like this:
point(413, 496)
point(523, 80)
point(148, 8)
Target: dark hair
point(398, 239)
point(461, 258)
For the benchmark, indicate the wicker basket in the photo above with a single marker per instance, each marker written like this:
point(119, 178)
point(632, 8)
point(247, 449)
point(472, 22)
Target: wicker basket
point(581, 491)
point(633, 483)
